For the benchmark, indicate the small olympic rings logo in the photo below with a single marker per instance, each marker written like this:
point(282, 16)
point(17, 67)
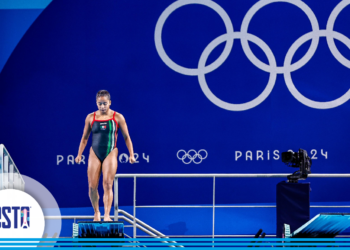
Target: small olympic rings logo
point(192, 155)
point(272, 68)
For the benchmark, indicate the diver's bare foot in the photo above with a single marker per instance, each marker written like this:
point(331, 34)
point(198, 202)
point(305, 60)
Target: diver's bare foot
point(97, 216)
point(107, 218)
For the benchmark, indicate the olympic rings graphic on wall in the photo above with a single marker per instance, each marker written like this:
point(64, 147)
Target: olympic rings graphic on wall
point(192, 155)
point(272, 67)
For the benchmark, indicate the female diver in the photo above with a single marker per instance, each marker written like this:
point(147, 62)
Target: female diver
point(104, 125)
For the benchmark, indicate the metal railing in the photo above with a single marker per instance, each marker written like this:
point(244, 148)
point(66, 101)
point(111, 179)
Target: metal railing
point(127, 217)
point(214, 176)
point(10, 178)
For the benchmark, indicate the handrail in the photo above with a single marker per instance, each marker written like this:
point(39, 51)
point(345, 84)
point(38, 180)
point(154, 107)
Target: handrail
point(238, 206)
point(254, 175)
point(156, 232)
point(142, 226)
point(128, 218)
point(6, 161)
point(228, 175)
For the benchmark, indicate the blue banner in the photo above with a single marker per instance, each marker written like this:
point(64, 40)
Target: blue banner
point(205, 87)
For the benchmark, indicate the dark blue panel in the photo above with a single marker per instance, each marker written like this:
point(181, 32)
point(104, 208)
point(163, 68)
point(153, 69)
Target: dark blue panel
point(292, 206)
point(76, 48)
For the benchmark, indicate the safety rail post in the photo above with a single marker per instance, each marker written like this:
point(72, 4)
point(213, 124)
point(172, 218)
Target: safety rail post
point(1, 166)
point(134, 207)
point(213, 208)
point(116, 199)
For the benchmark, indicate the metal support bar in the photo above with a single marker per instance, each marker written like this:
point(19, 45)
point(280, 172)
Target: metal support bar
point(174, 206)
point(213, 209)
point(116, 195)
point(213, 206)
point(7, 172)
point(148, 232)
point(1, 166)
point(134, 206)
point(219, 206)
point(239, 206)
point(134, 176)
point(146, 226)
point(228, 175)
point(142, 223)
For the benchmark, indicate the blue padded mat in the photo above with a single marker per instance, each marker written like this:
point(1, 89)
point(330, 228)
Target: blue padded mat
point(323, 225)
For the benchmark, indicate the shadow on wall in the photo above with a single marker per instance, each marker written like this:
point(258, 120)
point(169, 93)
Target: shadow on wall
point(178, 228)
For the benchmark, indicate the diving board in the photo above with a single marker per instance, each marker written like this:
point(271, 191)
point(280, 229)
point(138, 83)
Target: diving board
point(323, 225)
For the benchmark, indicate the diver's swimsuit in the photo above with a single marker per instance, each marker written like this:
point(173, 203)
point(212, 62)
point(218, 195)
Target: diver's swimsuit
point(104, 136)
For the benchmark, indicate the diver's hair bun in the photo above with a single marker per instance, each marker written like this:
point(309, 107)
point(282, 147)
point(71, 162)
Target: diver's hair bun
point(103, 93)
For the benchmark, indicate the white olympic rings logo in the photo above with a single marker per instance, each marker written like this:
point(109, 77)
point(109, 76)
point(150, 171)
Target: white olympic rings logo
point(192, 155)
point(272, 68)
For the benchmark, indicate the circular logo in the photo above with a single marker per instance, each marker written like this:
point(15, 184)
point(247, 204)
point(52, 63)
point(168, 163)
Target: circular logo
point(245, 37)
point(20, 215)
point(192, 156)
point(123, 158)
point(48, 205)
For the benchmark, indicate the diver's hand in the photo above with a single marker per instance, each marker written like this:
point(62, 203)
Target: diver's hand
point(78, 159)
point(132, 159)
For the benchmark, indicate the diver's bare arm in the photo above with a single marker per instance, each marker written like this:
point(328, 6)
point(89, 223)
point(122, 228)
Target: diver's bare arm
point(84, 139)
point(127, 139)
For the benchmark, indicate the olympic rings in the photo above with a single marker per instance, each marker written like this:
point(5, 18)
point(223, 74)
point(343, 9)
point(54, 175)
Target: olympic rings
point(272, 68)
point(192, 157)
point(231, 106)
point(158, 36)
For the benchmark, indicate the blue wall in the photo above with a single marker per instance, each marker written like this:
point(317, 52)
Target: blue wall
point(75, 48)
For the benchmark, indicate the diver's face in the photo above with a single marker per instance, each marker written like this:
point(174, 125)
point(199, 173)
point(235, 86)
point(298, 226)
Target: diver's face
point(103, 104)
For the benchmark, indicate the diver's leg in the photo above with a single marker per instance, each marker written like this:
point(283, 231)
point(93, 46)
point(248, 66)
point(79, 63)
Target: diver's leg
point(109, 168)
point(94, 172)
